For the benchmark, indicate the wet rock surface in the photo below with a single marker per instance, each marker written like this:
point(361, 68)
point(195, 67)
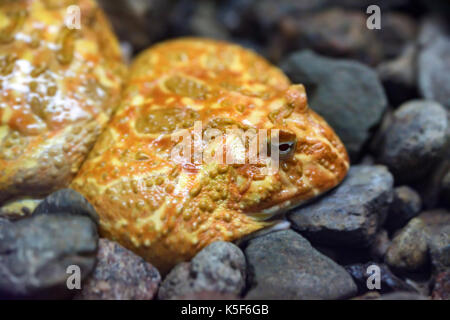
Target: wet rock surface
point(408, 250)
point(220, 268)
point(351, 214)
point(405, 206)
point(284, 265)
point(415, 140)
point(346, 93)
point(36, 252)
point(120, 275)
point(4, 223)
point(67, 201)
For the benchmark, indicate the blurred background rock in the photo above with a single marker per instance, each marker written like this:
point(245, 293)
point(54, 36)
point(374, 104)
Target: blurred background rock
point(276, 28)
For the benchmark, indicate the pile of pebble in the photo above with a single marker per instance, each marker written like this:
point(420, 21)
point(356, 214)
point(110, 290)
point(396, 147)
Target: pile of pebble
point(387, 95)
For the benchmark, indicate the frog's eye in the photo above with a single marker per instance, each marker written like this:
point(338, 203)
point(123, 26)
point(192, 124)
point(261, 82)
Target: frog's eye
point(286, 149)
point(286, 145)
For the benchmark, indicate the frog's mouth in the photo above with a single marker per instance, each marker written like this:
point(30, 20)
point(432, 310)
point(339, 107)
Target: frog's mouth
point(276, 211)
point(273, 226)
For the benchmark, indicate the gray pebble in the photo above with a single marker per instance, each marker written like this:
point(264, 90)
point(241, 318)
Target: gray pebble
point(284, 265)
point(351, 214)
point(35, 254)
point(220, 268)
point(415, 140)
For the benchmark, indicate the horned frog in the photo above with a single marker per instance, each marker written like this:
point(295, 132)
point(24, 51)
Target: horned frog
point(166, 210)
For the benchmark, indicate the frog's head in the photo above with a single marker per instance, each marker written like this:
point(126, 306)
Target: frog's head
point(270, 162)
point(298, 158)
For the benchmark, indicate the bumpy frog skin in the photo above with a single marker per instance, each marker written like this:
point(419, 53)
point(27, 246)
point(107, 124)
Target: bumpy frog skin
point(167, 211)
point(58, 88)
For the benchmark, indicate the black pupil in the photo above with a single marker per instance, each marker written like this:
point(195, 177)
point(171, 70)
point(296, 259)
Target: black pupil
point(284, 147)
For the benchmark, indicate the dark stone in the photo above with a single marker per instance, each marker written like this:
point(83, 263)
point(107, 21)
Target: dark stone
point(262, 18)
point(335, 32)
point(434, 63)
point(346, 93)
point(204, 22)
point(399, 76)
point(446, 189)
point(405, 206)
point(398, 31)
point(388, 281)
point(415, 140)
point(283, 265)
point(441, 287)
point(197, 18)
point(380, 245)
point(435, 219)
point(139, 22)
point(408, 250)
point(439, 245)
point(67, 201)
point(367, 160)
point(343, 33)
point(237, 16)
point(421, 282)
point(432, 187)
point(120, 275)
point(438, 228)
point(35, 254)
point(351, 214)
point(438, 6)
point(220, 268)
point(342, 255)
